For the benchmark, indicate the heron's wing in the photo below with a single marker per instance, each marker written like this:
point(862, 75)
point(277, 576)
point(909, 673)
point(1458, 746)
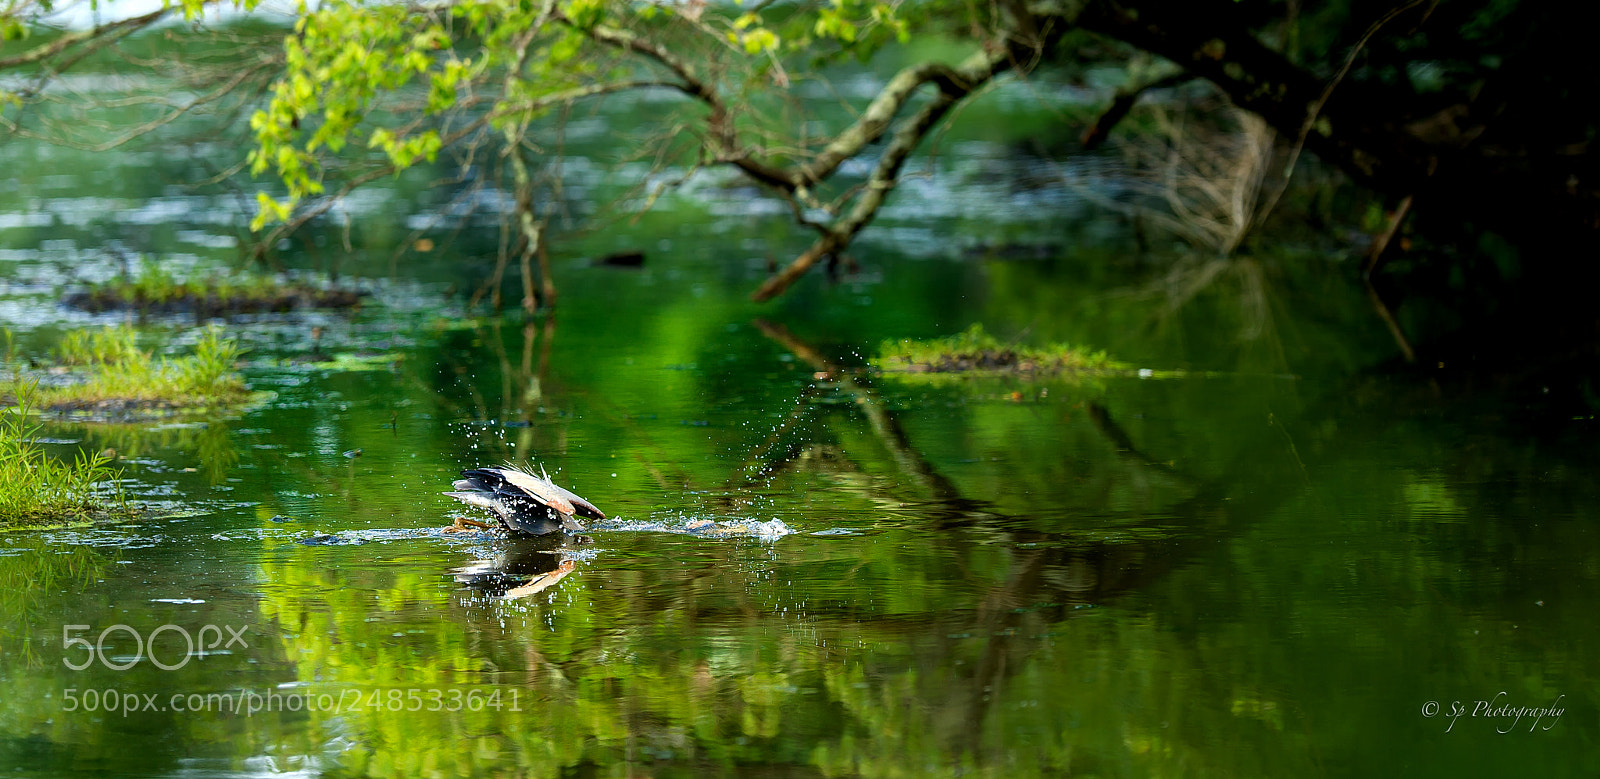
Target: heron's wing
point(517, 483)
point(534, 487)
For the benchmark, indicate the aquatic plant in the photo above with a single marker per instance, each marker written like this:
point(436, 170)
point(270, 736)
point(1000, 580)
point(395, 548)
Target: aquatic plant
point(106, 346)
point(36, 489)
point(156, 289)
point(974, 350)
point(122, 376)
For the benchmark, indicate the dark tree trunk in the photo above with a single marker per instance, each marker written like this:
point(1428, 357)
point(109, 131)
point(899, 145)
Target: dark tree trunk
point(1452, 157)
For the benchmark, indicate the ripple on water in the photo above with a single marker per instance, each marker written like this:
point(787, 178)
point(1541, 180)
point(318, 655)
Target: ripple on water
point(770, 530)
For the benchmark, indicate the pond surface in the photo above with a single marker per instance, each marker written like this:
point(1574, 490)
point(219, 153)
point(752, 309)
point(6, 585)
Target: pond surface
point(1284, 561)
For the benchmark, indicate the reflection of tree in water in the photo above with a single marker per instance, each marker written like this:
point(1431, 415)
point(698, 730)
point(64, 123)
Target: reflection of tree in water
point(962, 632)
point(982, 694)
point(525, 404)
point(207, 445)
point(1028, 579)
point(531, 415)
point(908, 654)
point(1081, 568)
point(31, 570)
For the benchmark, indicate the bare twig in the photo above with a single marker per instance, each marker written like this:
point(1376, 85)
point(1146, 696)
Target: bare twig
point(1381, 243)
point(1121, 104)
point(45, 51)
point(1327, 92)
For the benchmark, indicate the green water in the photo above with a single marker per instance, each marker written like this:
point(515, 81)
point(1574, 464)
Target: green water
point(1273, 565)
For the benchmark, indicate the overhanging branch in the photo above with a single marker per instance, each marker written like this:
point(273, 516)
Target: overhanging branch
point(59, 45)
point(954, 85)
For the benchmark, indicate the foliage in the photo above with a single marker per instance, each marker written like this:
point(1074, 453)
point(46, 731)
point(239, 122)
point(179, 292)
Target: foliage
point(120, 375)
point(1384, 92)
point(36, 489)
point(22, 19)
point(975, 351)
point(387, 77)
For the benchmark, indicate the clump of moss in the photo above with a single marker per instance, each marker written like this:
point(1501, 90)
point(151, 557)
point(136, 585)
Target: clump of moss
point(975, 351)
point(39, 490)
point(117, 376)
point(155, 290)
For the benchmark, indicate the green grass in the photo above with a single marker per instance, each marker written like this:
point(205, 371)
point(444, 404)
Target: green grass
point(40, 490)
point(116, 374)
point(975, 351)
point(156, 289)
point(108, 345)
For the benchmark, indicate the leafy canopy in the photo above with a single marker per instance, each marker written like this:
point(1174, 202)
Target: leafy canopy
point(408, 81)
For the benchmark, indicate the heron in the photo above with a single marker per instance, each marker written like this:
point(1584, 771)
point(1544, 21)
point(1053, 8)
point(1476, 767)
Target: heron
point(522, 567)
point(526, 504)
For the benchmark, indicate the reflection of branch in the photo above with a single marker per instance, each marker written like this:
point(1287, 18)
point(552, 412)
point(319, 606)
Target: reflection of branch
point(886, 427)
point(1123, 443)
point(533, 380)
point(1374, 262)
point(750, 469)
point(1390, 322)
point(999, 611)
point(883, 423)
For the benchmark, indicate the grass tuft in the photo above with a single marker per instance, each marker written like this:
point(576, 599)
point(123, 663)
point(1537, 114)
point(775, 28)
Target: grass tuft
point(106, 346)
point(35, 489)
point(118, 375)
point(975, 351)
point(156, 290)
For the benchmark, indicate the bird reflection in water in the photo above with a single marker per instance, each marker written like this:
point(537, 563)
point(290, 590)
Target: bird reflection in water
point(522, 566)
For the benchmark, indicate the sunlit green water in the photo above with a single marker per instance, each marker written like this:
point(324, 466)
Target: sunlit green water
point(1272, 567)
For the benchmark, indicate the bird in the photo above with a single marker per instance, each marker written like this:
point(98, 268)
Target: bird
point(522, 566)
point(526, 504)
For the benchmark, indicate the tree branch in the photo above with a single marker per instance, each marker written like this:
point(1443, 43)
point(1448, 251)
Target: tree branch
point(1122, 104)
point(976, 71)
point(875, 120)
point(1209, 39)
point(51, 49)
